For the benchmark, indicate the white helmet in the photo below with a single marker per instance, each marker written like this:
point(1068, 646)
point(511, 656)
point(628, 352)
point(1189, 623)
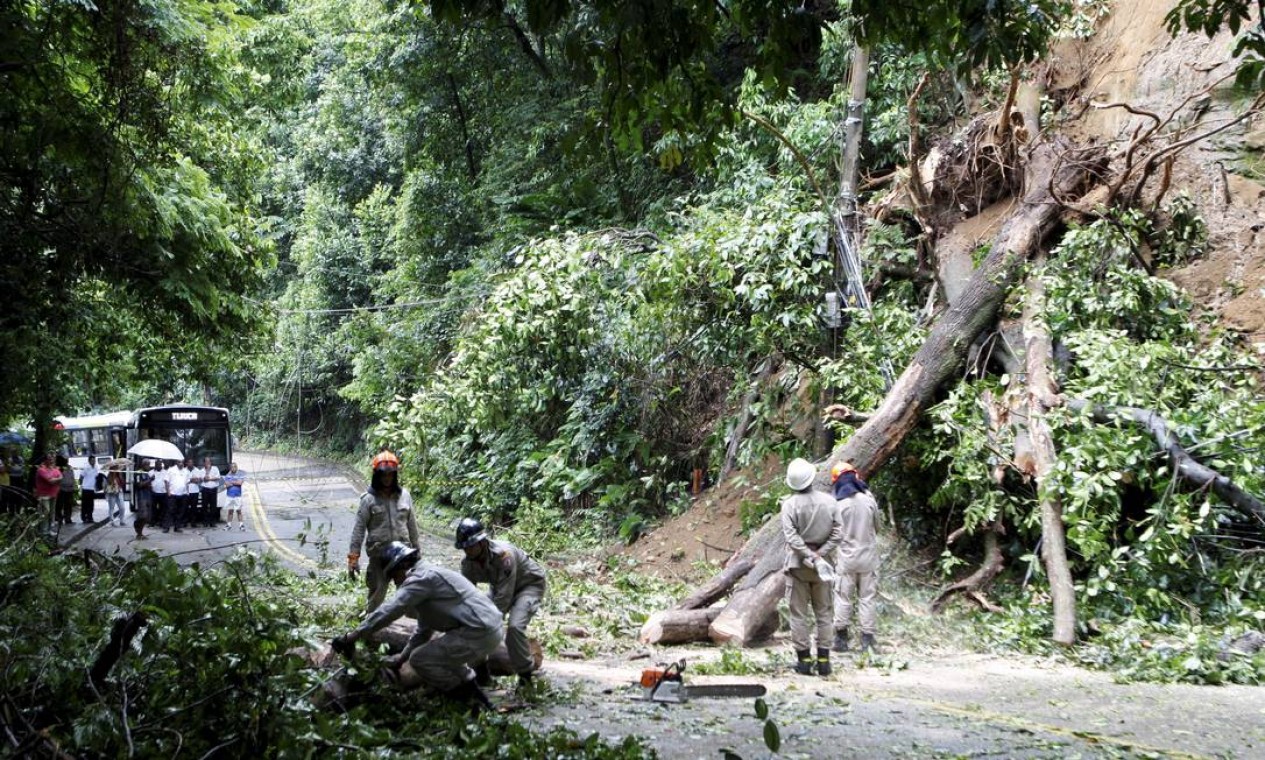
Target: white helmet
point(800, 474)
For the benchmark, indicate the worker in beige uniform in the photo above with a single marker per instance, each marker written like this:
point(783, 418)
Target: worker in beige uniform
point(385, 514)
point(442, 602)
point(810, 523)
point(856, 564)
point(516, 584)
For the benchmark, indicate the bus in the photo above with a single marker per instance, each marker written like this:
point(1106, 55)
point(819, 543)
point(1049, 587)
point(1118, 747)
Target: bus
point(103, 436)
point(198, 431)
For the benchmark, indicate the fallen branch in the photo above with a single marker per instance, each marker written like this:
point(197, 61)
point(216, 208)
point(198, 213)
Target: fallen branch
point(974, 584)
point(1184, 465)
point(708, 593)
point(124, 630)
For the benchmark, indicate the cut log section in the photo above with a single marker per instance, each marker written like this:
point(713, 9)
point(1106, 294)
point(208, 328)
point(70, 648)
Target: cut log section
point(678, 626)
point(753, 616)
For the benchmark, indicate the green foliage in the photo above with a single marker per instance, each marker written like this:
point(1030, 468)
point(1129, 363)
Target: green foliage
point(585, 376)
point(128, 207)
point(215, 636)
point(1141, 543)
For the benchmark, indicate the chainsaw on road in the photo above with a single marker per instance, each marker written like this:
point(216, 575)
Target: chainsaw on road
point(666, 683)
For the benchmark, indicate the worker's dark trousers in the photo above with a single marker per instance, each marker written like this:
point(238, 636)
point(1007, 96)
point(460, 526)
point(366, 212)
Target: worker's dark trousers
point(87, 503)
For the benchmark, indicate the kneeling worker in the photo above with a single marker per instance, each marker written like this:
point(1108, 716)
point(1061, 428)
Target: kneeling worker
point(516, 586)
point(441, 601)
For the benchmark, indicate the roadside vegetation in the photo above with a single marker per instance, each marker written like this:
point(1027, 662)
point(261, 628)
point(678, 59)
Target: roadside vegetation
point(570, 262)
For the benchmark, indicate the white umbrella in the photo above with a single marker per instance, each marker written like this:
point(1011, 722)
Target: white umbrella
point(155, 448)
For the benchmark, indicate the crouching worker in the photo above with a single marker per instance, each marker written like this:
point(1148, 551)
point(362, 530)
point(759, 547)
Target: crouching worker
point(442, 601)
point(810, 523)
point(516, 586)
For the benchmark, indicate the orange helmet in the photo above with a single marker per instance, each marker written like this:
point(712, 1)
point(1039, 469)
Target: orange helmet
point(385, 460)
point(838, 468)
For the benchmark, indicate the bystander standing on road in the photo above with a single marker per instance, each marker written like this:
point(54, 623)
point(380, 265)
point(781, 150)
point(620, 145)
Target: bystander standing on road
point(158, 487)
point(47, 489)
point(177, 490)
point(210, 492)
point(88, 490)
point(114, 495)
point(193, 492)
point(143, 498)
point(66, 492)
point(234, 479)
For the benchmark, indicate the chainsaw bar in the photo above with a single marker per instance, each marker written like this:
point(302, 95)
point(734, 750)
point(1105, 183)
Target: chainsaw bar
point(726, 690)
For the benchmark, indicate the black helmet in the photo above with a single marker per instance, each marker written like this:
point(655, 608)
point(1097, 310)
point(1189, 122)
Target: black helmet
point(469, 532)
point(395, 554)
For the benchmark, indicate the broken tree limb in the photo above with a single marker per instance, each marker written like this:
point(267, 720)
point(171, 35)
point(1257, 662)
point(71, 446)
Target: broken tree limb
point(1185, 466)
point(718, 586)
point(678, 626)
point(1042, 397)
point(123, 631)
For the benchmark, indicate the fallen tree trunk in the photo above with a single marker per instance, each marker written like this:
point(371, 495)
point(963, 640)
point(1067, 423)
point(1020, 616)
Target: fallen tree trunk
point(1186, 466)
point(707, 594)
point(1042, 397)
point(678, 626)
point(1052, 168)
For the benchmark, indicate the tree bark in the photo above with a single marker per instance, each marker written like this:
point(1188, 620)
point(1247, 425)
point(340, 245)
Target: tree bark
point(752, 616)
point(678, 626)
point(1042, 397)
point(1186, 466)
point(708, 593)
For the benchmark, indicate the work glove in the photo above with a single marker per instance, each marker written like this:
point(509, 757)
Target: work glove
point(353, 566)
point(345, 645)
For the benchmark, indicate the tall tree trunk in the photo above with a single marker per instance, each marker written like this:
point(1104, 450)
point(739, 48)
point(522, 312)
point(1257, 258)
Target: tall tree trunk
point(744, 420)
point(1042, 397)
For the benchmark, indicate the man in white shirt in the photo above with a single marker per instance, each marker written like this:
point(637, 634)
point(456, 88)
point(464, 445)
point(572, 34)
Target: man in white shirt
point(192, 512)
point(159, 488)
point(210, 492)
point(88, 490)
point(177, 488)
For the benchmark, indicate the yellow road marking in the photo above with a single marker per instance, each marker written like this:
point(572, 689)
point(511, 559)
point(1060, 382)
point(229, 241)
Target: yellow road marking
point(265, 531)
point(1035, 726)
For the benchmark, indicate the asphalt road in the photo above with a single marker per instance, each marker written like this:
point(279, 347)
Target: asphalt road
point(301, 510)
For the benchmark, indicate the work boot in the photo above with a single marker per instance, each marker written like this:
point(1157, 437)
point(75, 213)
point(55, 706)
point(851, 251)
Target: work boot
point(823, 661)
point(867, 643)
point(841, 639)
point(470, 693)
point(804, 663)
point(482, 675)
